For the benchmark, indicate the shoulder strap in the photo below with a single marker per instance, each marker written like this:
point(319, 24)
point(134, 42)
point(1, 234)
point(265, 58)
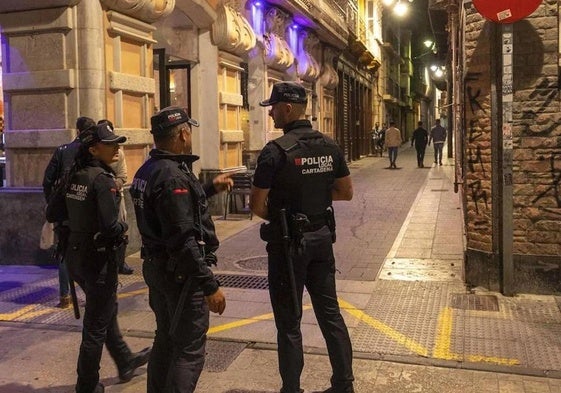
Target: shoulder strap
point(290, 140)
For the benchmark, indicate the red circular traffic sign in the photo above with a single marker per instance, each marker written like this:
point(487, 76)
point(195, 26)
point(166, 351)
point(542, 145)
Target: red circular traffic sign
point(506, 11)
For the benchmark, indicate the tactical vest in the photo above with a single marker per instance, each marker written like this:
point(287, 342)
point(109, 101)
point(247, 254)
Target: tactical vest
point(204, 226)
point(147, 220)
point(80, 200)
point(304, 183)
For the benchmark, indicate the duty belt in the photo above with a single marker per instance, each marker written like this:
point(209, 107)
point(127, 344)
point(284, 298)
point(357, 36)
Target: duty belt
point(315, 225)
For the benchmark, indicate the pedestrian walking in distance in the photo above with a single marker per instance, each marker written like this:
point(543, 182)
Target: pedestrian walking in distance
point(178, 245)
point(96, 233)
point(420, 139)
point(438, 137)
point(297, 177)
point(392, 142)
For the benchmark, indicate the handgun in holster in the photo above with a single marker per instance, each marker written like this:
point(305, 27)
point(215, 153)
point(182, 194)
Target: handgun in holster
point(330, 218)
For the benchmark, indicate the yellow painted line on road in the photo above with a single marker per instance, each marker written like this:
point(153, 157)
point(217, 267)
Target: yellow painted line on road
point(18, 313)
point(444, 336)
point(442, 347)
point(247, 321)
point(27, 312)
point(385, 329)
point(141, 291)
point(33, 314)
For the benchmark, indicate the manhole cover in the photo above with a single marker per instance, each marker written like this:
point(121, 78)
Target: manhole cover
point(221, 354)
point(259, 263)
point(470, 301)
point(241, 281)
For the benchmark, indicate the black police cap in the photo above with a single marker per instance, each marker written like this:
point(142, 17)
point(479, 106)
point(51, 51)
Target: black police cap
point(169, 117)
point(100, 133)
point(287, 92)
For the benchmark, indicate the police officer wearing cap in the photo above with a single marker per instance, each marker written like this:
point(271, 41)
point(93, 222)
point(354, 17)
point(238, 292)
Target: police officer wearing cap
point(178, 244)
point(300, 174)
point(92, 200)
point(59, 165)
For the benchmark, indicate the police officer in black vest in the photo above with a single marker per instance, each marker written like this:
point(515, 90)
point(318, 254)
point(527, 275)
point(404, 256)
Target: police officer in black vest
point(92, 200)
point(59, 165)
point(297, 177)
point(178, 242)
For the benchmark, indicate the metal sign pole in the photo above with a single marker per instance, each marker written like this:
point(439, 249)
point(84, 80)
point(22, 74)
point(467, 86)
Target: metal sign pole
point(507, 196)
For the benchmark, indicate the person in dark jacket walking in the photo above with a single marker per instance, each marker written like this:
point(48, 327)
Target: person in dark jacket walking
point(178, 245)
point(92, 201)
point(59, 166)
point(420, 138)
point(297, 177)
point(438, 137)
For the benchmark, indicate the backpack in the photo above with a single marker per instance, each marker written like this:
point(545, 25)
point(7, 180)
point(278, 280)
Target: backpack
point(56, 206)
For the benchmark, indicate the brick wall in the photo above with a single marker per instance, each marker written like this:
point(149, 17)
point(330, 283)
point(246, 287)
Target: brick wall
point(537, 151)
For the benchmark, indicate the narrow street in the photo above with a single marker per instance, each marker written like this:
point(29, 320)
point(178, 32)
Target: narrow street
point(366, 226)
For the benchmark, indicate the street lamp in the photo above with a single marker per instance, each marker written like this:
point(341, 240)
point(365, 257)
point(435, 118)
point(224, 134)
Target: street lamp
point(399, 7)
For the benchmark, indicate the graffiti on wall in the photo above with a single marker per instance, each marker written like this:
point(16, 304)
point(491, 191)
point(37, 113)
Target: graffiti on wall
point(555, 186)
point(473, 100)
point(478, 194)
point(546, 92)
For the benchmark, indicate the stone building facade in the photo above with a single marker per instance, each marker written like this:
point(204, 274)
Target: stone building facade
point(535, 233)
point(125, 59)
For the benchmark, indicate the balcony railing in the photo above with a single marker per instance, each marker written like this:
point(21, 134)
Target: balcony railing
point(355, 22)
point(330, 13)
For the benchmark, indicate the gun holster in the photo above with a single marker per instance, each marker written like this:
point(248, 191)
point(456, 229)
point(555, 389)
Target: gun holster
point(330, 218)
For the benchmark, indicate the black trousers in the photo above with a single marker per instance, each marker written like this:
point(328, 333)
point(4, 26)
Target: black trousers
point(176, 362)
point(315, 269)
point(96, 273)
point(420, 154)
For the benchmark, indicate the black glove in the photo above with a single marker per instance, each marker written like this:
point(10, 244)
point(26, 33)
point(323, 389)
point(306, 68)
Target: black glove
point(211, 259)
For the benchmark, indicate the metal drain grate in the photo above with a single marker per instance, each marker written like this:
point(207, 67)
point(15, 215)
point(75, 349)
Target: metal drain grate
point(470, 301)
point(439, 190)
point(241, 281)
point(220, 354)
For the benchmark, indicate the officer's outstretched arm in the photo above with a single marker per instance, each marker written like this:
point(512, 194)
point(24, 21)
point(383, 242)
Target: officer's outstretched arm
point(342, 189)
point(258, 201)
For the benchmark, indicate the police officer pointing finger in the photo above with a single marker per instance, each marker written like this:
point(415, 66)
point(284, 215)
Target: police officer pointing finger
point(297, 177)
point(178, 245)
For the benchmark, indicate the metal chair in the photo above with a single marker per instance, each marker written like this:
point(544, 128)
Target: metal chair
point(241, 189)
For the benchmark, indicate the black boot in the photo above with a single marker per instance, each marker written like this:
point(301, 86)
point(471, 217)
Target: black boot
point(125, 269)
point(137, 360)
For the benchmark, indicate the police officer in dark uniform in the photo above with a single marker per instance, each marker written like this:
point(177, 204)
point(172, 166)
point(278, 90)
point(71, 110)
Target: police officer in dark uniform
point(92, 201)
point(178, 242)
point(59, 165)
point(297, 177)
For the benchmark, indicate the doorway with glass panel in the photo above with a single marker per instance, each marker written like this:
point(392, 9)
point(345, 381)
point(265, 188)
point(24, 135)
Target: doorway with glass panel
point(173, 80)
